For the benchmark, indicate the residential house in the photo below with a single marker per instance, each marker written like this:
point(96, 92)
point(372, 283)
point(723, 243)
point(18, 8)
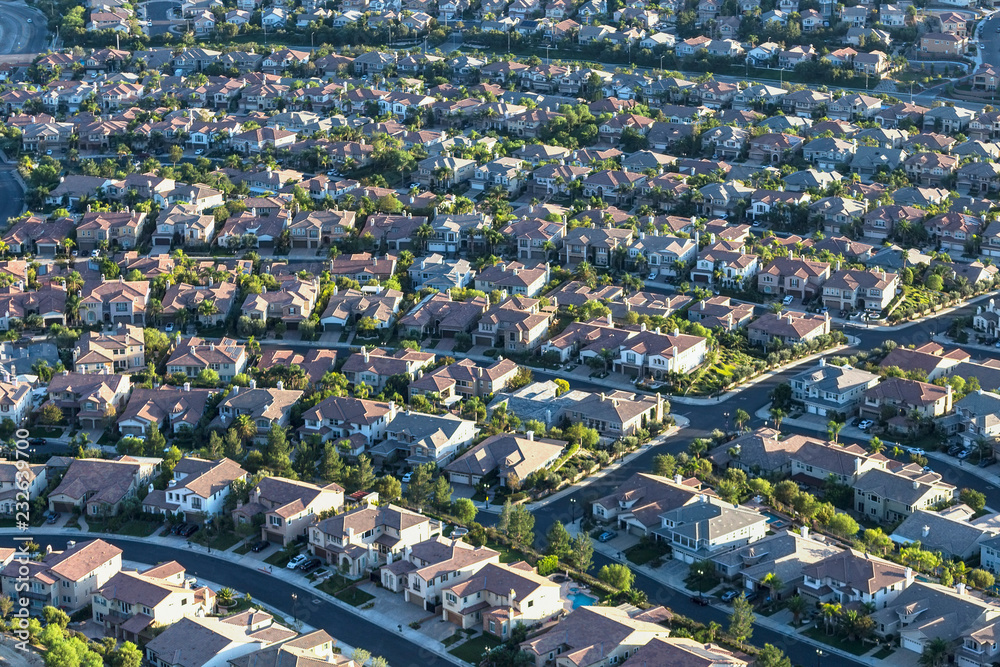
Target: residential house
point(506, 457)
point(289, 507)
point(199, 489)
point(787, 328)
point(192, 356)
point(266, 407)
point(888, 496)
point(168, 408)
point(97, 487)
point(829, 389)
point(359, 421)
point(62, 579)
point(707, 527)
point(852, 289)
point(90, 401)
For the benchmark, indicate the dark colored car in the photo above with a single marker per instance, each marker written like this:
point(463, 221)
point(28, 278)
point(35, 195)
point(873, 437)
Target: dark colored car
point(53, 517)
point(176, 530)
point(987, 462)
point(38, 442)
point(954, 450)
point(700, 600)
point(189, 530)
point(260, 546)
point(310, 565)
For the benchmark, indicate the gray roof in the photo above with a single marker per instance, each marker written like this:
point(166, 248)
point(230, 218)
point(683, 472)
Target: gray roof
point(836, 379)
point(949, 536)
point(710, 518)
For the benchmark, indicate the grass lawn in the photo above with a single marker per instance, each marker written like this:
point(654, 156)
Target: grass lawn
point(354, 596)
point(854, 648)
point(218, 541)
point(507, 555)
point(45, 432)
point(701, 584)
point(448, 641)
point(882, 653)
point(134, 528)
point(244, 548)
point(713, 377)
point(641, 554)
point(334, 585)
point(278, 559)
point(472, 650)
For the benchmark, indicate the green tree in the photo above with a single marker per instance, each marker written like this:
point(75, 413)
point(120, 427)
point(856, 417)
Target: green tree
point(50, 414)
point(421, 486)
point(464, 510)
point(331, 466)
point(771, 656)
point(934, 282)
point(741, 620)
point(797, 605)
point(774, 584)
point(389, 489)
point(362, 475)
point(581, 552)
point(55, 616)
point(559, 541)
point(976, 500)
point(741, 417)
point(441, 493)
point(935, 653)
point(521, 529)
point(664, 465)
point(126, 655)
point(843, 525)
point(617, 576)
point(277, 456)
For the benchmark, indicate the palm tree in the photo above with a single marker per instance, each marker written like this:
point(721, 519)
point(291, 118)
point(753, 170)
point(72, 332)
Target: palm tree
point(585, 273)
point(830, 611)
point(774, 584)
point(798, 606)
point(833, 429)
point(875, 445)
point(245, 428)
point(740, 418)
point(935, 653)
point(424, 233)
point(777, 414)
point(207, 308)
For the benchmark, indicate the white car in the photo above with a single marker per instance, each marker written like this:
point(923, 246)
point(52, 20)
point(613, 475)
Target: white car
point(653, 274)
point(916, 451)
point(169, 328)
point(788, 299)
point(407, 477)
point(866, 424)
point(95, 253)
point(298, 560)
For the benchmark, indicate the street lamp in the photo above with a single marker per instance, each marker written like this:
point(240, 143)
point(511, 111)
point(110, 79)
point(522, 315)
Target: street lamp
point(295, 599)
point(572, 510)
point(819, 656)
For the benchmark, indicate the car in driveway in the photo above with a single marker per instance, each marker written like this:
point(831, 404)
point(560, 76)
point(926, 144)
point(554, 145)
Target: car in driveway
point(700, 600)
point(298, 560)
point(310, 564)
point(653, 274)
point(955, 450)
point(729, 596)
point(189, 530)
point(966, 453)
point(176, 530)
point(607, 536)
point(866, 424)
point(407, 477)
point(788, 299)
point(260, 546)
point(54, 517)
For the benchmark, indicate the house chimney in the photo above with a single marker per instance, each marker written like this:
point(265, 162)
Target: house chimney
point(916, 484)
point(804, 532)
point(822, 362)
point(909, 576)
point(678, 479)
point(187, 386)
point(280, 385)
point(960, 588)
point(702, 498)
point(857, 464)
point(253, 384)
point(530, 435)
point(925, 531)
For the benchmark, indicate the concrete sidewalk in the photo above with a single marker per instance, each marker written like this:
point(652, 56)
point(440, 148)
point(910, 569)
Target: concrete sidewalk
point(250, 561)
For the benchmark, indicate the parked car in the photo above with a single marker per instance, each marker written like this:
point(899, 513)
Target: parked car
point(260, 546)
point(916, 451)
point(53, 517)
point(296, 561)
point(700, 600)
point(407, 477)
point(966, 453)
point(310, 564)
point(866, 424)
point(607, 536)
point(189, 530)
point(176, 530)
point(987, 462)
point(653, 274)
point(788, 299)
point(729, 596)
point(954, 450)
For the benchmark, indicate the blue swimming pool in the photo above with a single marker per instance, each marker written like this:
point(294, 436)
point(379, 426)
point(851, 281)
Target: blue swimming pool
point(582, 600)
point(772, 518)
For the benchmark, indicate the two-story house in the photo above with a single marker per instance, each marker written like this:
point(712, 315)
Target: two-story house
point(289, 507)
point(199, 488)
point(63, 579)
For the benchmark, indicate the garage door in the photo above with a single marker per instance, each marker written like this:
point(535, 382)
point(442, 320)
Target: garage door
point(911, 645)
point(63, 507)
point(159, 240)
point(274, 538)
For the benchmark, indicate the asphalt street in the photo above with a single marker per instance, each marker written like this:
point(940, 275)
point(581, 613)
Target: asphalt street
point(11, 195)
point(158, 12)
point(352, 629)
point(22, 29)
point(989, 37)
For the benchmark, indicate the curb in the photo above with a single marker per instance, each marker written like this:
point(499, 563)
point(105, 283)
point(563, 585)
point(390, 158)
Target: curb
point(227, 557)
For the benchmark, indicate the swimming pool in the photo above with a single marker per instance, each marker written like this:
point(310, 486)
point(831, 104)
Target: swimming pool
point(582, 600)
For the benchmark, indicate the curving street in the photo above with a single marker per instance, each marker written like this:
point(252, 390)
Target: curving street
point(274, 592)
point(23, 29)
